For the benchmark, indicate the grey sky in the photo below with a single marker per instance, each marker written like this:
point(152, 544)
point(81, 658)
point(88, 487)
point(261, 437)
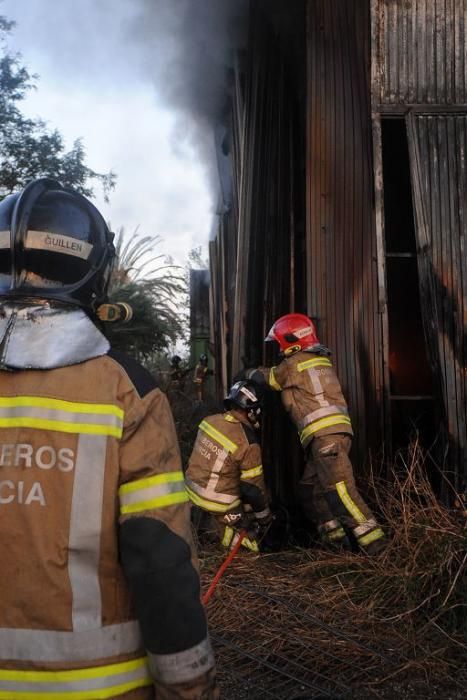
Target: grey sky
point(98, 81)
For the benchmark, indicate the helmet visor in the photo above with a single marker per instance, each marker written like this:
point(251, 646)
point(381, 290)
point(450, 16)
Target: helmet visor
point(271, 335)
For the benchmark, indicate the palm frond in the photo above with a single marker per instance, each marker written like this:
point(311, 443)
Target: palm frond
point(156, 292)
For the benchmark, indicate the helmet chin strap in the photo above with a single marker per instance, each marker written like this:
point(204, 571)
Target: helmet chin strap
point(291, 350)
point(253, 419)
point(111, 313)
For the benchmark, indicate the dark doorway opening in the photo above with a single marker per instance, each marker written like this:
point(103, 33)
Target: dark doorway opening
point(411, 384)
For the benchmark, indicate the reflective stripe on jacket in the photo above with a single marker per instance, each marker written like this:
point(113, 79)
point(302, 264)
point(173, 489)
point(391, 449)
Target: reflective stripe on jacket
point(225, 467)
point(83, 449)
point(104, 682)
point(311, 394)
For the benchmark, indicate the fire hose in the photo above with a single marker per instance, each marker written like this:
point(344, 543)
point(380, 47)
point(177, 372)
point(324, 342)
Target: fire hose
point(220, 572)
point(227, 561)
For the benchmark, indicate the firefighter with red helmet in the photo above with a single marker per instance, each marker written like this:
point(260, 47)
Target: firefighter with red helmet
point(312, 395)
point(100, 590)
point(225, 475)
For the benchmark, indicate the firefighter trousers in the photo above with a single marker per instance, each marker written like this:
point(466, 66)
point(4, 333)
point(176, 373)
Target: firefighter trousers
point(330, 497)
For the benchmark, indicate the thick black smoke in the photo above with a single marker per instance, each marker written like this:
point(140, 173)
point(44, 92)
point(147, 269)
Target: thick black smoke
point(185, 48)
point(188, 48)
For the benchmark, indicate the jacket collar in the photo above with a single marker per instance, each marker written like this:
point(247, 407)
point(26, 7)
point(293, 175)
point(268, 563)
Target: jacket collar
point(42, 336)
point(234, 416)
point(318, 349)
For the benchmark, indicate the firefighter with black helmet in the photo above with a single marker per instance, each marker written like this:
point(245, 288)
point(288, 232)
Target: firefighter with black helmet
point(177, 373)
point(225, 474)
point(312, 395)
point(201, 373)
point(100, 592)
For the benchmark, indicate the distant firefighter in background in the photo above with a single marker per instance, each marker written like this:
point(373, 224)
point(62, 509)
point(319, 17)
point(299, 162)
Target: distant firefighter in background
point(202, 372)
point(225, 475)
point(177, 373)
point(312, 395)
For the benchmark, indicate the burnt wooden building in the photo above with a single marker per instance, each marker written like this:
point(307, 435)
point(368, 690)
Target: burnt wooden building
point(342, 164)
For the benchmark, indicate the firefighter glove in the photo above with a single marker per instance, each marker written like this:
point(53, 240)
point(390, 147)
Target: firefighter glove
point(264, 518)
point(239, 520)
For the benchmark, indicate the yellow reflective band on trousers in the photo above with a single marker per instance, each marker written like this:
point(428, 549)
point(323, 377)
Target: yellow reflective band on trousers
point(250, 473)
point(218, 436)
point(158, 491)
point(227, 537)
point(337, 419)
point(337, 534)
point(42, 413)
point(376, 534)
point(314, 362)
point(96, 683)
point(273, 381)
point(212, 506)
point(351, 506)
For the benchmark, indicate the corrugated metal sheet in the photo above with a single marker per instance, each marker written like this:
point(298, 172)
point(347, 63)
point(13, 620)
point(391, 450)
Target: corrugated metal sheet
point(199, 306)
point(438, 149)
point(341, 241)
point(223, 260)
point(419, 69)
point(256, 243)
point(256, 257)
point(264, 259)
point(420, 52)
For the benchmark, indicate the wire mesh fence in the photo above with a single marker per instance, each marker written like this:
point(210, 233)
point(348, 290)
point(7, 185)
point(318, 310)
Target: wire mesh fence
point(292, 626)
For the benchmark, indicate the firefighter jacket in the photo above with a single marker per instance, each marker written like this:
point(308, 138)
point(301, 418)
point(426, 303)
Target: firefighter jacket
point(100, 594)
point(201, 373)
point(225, 467)
point(310, 391)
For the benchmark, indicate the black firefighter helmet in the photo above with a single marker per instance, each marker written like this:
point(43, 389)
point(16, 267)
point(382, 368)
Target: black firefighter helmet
point(245, 395)
point(54, 245)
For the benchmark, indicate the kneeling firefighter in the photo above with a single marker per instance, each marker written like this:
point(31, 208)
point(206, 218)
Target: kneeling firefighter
point(225, 474)
point(312, 395)
point(100, 591)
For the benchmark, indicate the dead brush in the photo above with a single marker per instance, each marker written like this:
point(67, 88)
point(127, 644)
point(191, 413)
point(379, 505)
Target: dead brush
point(346, 623)
point(187, 415)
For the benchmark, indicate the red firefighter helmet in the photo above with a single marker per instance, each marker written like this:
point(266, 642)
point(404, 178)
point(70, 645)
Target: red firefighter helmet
point(293, 332)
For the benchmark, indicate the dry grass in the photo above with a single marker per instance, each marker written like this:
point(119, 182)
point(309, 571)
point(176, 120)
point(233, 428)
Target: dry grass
point(302, 622)
point(188, 413)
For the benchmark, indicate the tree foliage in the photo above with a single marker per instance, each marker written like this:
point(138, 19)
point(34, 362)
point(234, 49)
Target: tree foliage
point(28, 149)
point(155, 289)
